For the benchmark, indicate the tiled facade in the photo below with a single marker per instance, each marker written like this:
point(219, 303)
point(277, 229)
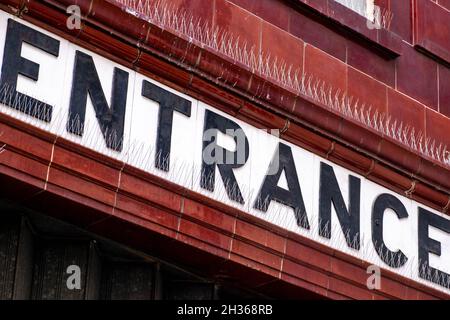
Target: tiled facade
point(402, 72)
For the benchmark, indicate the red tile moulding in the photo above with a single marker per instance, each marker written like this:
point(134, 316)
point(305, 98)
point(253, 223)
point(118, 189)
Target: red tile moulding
point(139, 208)
point(432, 30)
point(444, 3)
point(146, 48)
point(340, 17)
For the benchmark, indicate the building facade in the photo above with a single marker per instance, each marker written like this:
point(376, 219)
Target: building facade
point(215, 149)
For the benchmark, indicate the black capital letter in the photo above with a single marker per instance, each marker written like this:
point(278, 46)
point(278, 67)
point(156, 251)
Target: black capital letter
point(229, 160)
point(428, 245)
point(271, 191)
point(330, 193)
point(86, 81)
point(14, 64)
point(386, 201)
point(168, 103)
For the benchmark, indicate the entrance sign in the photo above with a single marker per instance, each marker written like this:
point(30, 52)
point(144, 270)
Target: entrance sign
point(64, 89)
